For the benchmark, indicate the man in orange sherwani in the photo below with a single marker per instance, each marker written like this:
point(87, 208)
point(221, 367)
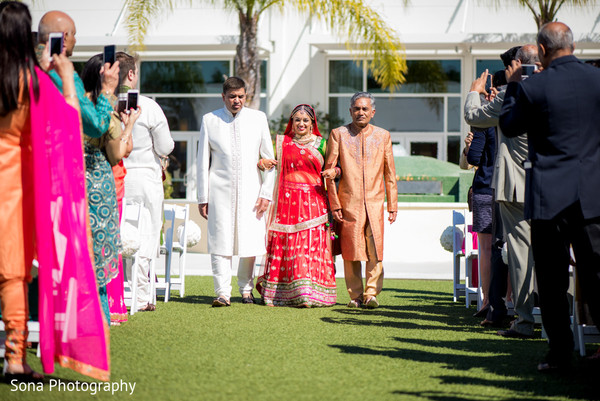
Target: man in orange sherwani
point(364, 154)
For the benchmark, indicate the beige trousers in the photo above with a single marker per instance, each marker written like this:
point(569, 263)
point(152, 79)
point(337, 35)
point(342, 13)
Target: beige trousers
point(373, 272)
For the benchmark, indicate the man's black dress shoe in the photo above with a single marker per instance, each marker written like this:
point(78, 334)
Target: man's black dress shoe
point(510, 333)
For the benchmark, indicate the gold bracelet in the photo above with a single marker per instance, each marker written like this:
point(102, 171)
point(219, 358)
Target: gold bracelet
point(70, 95)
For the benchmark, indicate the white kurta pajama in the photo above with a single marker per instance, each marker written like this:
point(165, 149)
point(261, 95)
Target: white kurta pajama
point(143, 184)
point(231, 183)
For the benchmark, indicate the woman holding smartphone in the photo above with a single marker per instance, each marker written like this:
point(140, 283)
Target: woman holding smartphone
point(41, 169)
point(105, 176)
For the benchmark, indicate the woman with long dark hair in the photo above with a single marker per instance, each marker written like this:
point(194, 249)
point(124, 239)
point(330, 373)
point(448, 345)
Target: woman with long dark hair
point(115, 144)
point(41, 194)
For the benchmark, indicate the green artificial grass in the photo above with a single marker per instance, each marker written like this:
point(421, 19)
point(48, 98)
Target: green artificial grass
point(418, 345)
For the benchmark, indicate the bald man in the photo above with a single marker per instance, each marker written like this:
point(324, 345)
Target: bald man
point(559, 109)
point(57, 21)
point(95, 117)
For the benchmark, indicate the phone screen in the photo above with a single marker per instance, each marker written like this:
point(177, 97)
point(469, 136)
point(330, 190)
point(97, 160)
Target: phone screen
point(122, 105)
point(527, 70)
point(56, 44)
point(109, 54)
point(132, 98)
point(488, 83)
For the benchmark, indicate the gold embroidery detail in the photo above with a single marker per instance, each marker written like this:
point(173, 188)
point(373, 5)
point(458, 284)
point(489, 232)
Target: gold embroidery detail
point(294, 228)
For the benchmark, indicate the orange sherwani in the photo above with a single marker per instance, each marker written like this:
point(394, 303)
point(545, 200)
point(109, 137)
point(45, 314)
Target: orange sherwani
point(368, 173)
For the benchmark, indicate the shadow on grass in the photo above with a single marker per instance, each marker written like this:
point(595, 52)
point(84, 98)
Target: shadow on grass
point(517, 365)
point(421, 294)
point(445, 314)
point(190, 299)
point(434, 395)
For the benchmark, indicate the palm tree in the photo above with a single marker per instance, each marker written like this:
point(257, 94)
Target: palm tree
point(366, 32)
point(545, 11)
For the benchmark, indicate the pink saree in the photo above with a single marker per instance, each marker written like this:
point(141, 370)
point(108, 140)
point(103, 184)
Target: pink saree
point(72, 330)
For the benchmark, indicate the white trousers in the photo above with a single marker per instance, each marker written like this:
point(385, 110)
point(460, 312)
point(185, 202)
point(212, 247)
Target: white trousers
point(222, 266)
point(141, 186)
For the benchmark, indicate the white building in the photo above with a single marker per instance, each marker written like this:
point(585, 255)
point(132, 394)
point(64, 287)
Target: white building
point(189, 50)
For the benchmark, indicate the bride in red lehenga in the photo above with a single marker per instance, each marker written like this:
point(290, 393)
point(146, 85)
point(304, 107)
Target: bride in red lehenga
point(299, 269)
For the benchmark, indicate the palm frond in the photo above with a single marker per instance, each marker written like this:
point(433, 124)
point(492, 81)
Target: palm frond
point(544, 11)
point(140, 13)
point(366, 34)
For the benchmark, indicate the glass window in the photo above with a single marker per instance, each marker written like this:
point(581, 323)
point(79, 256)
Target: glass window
point(78, 66)
point(491, 65)
point(425, 76)
point(454, 149)
point(339, 108)
point(454, 114)
point(183, 76)
point(177, 170)
point(424, 149)
point(345, 76)
point(263, 77)
point(398, 114)
point(406, 114)
point(185, 114)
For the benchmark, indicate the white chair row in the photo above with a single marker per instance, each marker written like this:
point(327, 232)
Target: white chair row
point(461, 221)
point(172, 216)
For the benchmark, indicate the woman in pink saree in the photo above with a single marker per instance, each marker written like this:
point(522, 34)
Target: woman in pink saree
point(299, 268)
point(43, 212)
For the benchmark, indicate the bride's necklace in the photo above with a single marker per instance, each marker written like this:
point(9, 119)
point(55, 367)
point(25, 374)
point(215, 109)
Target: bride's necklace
point(303, 139)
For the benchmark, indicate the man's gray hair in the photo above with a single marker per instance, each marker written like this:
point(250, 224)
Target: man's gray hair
point(527, 54)
point(359, 95)
point(555, 39)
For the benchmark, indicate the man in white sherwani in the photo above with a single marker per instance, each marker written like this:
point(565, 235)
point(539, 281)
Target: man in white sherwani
point(232, 193)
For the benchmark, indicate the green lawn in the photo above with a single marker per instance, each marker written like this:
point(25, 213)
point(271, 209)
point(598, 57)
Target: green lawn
point(418, 345)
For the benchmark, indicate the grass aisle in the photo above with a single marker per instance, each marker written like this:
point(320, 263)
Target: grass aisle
point(418, 345)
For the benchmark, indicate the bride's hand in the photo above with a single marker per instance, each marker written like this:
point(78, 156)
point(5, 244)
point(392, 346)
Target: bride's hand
point(266, 164)
point(329, 174)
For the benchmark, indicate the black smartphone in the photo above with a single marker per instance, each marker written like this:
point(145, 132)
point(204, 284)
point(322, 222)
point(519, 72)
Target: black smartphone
point(122, 105)
point(56, 40)
point(488, 83)
point(132, 99)
point(527, 70)
point(110, 54)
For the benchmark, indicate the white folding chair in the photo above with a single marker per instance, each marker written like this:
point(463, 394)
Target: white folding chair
point(461, 220)
point(132, 213)
point(458, 225)
point(471, 293)
point(174, 214)
point(582, 332)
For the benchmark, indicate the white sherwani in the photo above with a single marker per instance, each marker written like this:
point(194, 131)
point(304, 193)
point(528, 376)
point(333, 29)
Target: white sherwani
point(143, 185)
point(230, 181)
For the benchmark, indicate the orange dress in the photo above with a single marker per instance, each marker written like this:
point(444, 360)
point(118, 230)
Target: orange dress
point(16, 226)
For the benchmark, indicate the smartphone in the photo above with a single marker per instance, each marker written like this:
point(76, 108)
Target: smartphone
point(527, 70)
point(56, 40)
point(488, 83)
point(109, 54)
point(122, 105)
point(132, 99)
